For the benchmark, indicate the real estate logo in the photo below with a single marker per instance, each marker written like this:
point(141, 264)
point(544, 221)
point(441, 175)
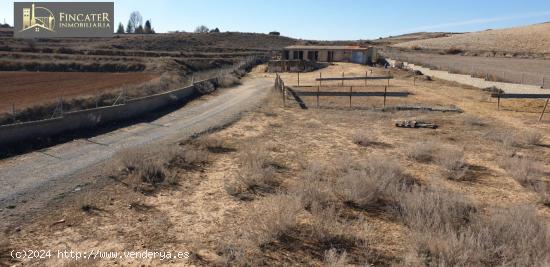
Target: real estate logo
point(60, 19)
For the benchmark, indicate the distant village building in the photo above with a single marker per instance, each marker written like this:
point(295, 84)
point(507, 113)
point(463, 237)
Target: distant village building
point(354, 54)
point(296, 58)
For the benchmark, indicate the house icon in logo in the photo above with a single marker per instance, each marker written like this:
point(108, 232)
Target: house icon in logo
point(37, 19)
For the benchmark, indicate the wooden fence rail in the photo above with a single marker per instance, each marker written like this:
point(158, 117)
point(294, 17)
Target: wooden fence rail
point(354, 78)
point(280, 85)
point(523, 96)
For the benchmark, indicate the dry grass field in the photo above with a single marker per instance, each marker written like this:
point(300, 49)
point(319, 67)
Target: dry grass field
point(24, 89)
point(37, 72)
point(527, 40)
point(328, 186)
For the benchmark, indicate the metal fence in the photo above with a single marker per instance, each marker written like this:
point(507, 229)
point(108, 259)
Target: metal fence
point(489, 72)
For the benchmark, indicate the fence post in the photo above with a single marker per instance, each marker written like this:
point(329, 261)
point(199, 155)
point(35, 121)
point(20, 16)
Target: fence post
point(284, 96)
point(498, 101)
point(320, 77)
point(342, 78)
point(544, 109)
point(318, 92)
point(385, 92)
point(298, 78)
point(350, 93)
point(366, 75)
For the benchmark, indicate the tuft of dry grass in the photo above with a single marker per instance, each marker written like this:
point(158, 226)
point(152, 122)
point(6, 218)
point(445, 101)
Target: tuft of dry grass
point(454, 164)
point(328, 228)
point(422, 151)
point(523, 170)
point(314, 187)
point(474, 120)
point(273, 218)
point(142, 167)
point(256, 174)
point(334, 259)
point(375, 183)
point(511, 237)
point(362, 139)
point(188, 158)
point(228, 80)
point(533, 138)
point(425, 210)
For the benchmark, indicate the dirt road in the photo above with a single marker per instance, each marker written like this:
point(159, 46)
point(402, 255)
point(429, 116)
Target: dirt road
point(510, 88)
point(41, 175)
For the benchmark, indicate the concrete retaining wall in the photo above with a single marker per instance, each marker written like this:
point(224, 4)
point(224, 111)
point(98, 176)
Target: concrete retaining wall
point(10, 134)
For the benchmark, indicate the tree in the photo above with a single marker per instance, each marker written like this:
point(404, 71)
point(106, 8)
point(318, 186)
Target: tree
point(129, 28)
point(148, 28)
point(201, 29)
point(120, 28)
point(139, 30)
point(215, 30)
point(135, 22)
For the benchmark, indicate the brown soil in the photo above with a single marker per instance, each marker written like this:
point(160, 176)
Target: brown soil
point(24, 89)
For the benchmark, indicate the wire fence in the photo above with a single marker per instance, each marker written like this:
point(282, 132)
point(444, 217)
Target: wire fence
point(57, 108)
point(490, 69)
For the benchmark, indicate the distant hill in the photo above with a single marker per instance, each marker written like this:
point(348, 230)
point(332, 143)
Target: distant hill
point(213, 42)
point(410, 37)
point(532, 39)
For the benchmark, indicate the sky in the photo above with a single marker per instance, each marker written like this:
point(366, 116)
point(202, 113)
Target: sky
point(326, 19)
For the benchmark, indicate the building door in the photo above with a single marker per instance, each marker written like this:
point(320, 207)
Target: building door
point(358, 57)
point(330, 56)
point(301, 55)
point(286, 55)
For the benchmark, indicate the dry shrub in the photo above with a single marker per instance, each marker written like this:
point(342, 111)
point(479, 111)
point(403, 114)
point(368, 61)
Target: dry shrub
point(474, 121)
point(422, 151)
point(426, 211)
point(329, 229)
point(228, 80)
point(273, 218)
point(533, 138)
point(362, 139)
point(188, 158)
point(142, 165)
point(454, 164)
point(524, 170)
point(514, 139)
point(314, 188)
point(334, 259)
point(377, 182)
point(256, 174)
point(213, 144)
point(509, 237)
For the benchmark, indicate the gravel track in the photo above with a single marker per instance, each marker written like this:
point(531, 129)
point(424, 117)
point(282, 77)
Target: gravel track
point(52, 171)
